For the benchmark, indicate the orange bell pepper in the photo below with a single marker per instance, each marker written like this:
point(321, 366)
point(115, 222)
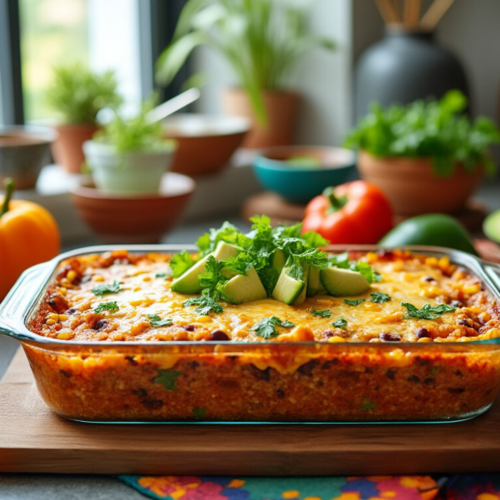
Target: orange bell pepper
point(352, 213)
point(28, 236)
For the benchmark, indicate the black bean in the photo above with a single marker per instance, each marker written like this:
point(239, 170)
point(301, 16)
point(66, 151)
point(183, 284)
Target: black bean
point(428, 279)
point(102, 323)
point(189, 328)
point(389, 337)
point(219, 335)
point(422, 333)
point(464, 322)
point(280, 393)
point(131, 360)
point(457, 303)
point(391, 373)
point(65, 373)
point(329, 333)
point(85, 278)
point(413, 378)
point(71, 311)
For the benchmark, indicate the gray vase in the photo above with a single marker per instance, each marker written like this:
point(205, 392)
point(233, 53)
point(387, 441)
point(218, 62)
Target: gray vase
point(404, 67)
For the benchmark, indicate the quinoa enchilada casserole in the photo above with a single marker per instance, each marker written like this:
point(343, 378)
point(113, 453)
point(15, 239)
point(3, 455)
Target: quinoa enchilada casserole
point(304, 335)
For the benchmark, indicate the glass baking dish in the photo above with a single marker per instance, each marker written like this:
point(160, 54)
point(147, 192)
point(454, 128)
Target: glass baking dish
point(214, 382)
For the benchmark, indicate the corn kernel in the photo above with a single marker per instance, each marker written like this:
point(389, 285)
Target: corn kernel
point(431, 261)
point(146, 278)
point(65, 335)
point(424, 339)
point(336, 340)
point(471, 289)
point(63, 291)
point(98, 277)
point(71, 275)
point(50, 322)
point(204, 319)
point(371, 257)
point(444, 263)
point(53, 316)
point(398, 266)
point(63, 317)
point(485, 317)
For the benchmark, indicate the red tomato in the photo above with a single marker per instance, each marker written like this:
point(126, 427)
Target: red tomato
point(352, 213)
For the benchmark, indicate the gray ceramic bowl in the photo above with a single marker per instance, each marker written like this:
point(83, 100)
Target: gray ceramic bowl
point(24, 151)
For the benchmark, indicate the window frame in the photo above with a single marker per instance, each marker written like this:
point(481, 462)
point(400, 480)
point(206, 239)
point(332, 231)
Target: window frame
point(11, 88)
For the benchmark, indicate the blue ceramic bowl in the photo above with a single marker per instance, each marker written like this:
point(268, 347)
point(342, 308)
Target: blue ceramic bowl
point(299, 173)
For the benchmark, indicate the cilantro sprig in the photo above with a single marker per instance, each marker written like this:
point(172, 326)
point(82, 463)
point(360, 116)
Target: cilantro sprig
point(181, 262)
point(155, 320)
point(266, 327)
point(379, 297)
point(104, 289)
point(340, 323)
point(353, 302)
point(106, 306)
point(324, 314)
point(207, 302)
point(427, 311)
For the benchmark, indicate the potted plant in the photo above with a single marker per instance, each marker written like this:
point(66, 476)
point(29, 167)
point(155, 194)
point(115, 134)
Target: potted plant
point(78, 94)
point(129, 156)
point(426, 156)
point(261, 40)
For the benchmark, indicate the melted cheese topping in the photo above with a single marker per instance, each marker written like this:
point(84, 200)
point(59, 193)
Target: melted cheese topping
point(70, 309)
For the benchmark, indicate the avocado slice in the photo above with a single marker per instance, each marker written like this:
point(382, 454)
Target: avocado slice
point(343, 282)
point(244, 288)
point(279, 260)
point(314, 285)
point(287, 289)
point(188, 282)
point(302, 297)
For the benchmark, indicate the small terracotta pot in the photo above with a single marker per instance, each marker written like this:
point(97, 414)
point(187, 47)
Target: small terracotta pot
point(205, 143)
point(412, 186)
point(282, 108)
point(67, 149)
point(134, 219)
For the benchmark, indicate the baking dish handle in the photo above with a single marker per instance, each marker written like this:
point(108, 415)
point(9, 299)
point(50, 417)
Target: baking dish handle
point(493, 273)
point(15, 306)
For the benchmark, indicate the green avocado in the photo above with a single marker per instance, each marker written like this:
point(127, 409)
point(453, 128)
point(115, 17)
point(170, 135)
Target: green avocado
point(430, 229)
point(491, 226)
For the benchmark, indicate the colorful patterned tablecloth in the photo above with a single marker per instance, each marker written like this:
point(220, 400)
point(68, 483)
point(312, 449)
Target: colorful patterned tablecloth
point(465, 487)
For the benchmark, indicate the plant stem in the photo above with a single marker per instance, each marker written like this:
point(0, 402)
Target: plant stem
point(9, 191)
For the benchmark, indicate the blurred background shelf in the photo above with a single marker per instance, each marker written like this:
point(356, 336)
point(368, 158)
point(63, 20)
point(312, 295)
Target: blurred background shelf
point(216, 195)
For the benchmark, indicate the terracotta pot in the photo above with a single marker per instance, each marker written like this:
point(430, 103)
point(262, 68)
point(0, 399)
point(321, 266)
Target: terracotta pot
point(413, 188)
point(67, 149)
point(134, 219)
point(282, 108)
point(205, 143)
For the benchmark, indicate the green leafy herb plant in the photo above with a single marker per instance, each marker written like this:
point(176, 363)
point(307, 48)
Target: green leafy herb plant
point(135, 134)
point(260, 39)
point(437, 130)
point(78, 93)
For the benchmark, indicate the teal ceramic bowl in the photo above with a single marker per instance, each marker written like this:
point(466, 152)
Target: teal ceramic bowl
point(299, 173)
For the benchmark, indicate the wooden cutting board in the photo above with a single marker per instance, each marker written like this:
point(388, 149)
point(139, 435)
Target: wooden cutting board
point(33, 439)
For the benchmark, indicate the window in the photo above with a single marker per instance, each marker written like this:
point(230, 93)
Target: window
point(124, 35)
point(53, 32)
